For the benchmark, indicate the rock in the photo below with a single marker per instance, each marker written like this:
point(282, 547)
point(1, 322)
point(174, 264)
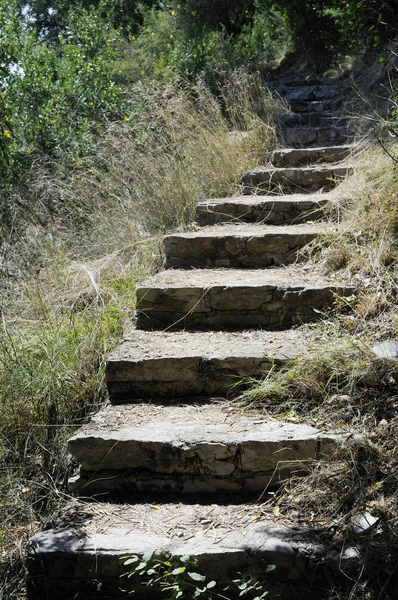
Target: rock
point(172, 365)
point(237, 246)
point(268, 180)
point(330, 135)
point(293, 157)
point(191, 449)
point(270, 210)
point(86, 558)
point(387, 350)
point(364, 524)
point(225, 298)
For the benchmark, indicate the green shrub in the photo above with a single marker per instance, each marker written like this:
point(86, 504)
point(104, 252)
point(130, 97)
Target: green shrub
point(50, 16)
point(322, 32)
point(181, 577)
point(177, 41)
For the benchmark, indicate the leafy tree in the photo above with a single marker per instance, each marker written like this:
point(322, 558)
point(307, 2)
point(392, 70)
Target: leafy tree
point(50, 16)
point(54, 95)
point(232, 16)
point(325, 29)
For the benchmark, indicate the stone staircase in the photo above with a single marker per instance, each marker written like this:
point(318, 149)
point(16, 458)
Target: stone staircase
point(172, 464)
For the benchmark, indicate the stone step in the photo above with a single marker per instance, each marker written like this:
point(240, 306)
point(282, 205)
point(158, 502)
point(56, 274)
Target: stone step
point(84, 558)
point(310, 93)
point(188, 449)
point(236, 299)
point(273, 210)
point(279, 180)
point(300, 106)
point(157, 364)
point(297, 137)
point(309, 119)
point(280, 86)
point(231, 245)
point(314, 81)
point(295, 157)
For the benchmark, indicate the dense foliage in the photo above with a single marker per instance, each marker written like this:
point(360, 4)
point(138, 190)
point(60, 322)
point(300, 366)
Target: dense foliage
point(327, 29)
point(58, 60)
point(254, 31)
point(55, 94)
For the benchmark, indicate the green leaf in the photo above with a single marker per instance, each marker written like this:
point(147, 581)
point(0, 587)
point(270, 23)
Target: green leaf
point(211, 584)
point(147, 556)
point(175, 586)
point(184, 558)
point(199, 591)
point(131, 560)
point(197, 576)
point(178, 570)
point(270, 568)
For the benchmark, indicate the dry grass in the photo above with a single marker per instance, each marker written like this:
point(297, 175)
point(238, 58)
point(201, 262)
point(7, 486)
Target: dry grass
point(346, 388)
point(366, 251)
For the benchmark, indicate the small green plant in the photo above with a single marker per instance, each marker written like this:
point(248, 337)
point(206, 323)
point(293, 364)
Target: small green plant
point(249, 584)
point(181, 577)
point(176, 577)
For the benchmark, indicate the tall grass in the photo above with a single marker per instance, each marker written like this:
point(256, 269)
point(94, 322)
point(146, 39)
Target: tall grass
point(82, 236)
point(365, 251)
point(343, 386)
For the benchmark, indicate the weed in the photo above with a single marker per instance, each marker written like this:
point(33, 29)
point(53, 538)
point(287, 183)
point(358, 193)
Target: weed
point(350, 391)
point(181, 577)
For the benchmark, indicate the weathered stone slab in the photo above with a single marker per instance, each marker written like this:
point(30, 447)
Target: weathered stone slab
point(84, 559)
point(232, 245)
point(387, 350)
point(185, 364)
point(217, 298)
point(307, 119)
point(303, 106)
point(273, 210)
point(294, 157)
point(308, 93)
point(299, 137)
point(189, 449)
point(363, 524)
point(277, 180)
point(299, 82)
point(315, 81)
